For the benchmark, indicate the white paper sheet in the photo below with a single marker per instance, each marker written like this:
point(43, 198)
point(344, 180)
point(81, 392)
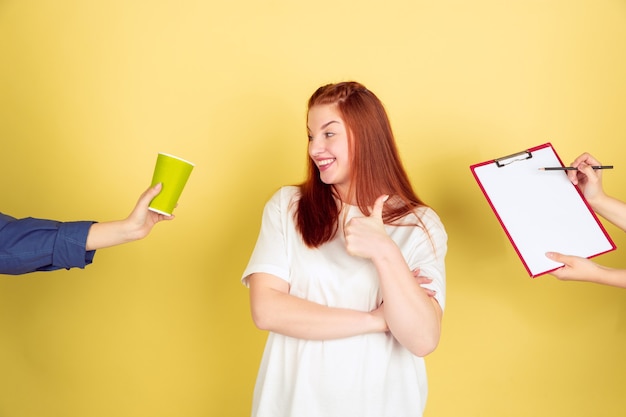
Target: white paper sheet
point(541, 211)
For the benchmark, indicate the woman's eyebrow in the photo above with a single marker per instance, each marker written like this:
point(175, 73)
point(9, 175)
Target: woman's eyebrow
point(325, 125)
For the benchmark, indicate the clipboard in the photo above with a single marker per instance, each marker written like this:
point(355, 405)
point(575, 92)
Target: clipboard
point(540, 211)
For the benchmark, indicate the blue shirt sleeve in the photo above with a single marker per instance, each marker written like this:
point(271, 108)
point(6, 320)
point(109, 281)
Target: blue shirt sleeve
point(28, 245)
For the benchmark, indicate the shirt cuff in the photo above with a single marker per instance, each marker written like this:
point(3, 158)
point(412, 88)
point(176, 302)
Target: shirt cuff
point(69, 247)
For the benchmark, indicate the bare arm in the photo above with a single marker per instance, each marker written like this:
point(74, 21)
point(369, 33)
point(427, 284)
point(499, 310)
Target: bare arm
point(412, 316)
point(136, 226)
point(589, 181)
point(611, 209)
point(581, 269)
point(274, 309)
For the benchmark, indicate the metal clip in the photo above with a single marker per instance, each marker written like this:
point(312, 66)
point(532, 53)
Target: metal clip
point(506, 160)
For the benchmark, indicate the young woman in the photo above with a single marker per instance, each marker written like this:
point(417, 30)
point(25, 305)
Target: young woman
point(576, 268)
point(331, 274)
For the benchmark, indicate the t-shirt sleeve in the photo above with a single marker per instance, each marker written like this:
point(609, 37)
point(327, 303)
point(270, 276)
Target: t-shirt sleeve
point(429, 253)
point(270, 252)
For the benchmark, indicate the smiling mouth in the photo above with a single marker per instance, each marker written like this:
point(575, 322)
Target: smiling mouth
point(325, 162)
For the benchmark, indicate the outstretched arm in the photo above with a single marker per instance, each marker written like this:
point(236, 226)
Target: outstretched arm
point(582, 269)
point(589, 181)
point(136, 226)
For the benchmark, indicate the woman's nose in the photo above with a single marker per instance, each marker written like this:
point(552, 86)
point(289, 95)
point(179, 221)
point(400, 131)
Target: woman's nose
point(316, 146)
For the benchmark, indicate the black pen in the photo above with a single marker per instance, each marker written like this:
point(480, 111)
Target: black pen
point(573, 168)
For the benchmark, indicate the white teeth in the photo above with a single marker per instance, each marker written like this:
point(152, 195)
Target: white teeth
point(325, 162)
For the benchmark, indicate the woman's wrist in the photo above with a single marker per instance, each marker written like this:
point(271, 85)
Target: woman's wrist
point(376, 323)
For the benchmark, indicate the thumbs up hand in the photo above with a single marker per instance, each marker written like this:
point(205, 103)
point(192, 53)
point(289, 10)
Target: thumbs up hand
point(364, 235)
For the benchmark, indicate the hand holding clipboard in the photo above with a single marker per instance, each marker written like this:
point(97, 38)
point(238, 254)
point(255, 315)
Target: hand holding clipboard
point(529, 204)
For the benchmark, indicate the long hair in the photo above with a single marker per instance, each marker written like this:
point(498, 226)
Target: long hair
point(375, 170)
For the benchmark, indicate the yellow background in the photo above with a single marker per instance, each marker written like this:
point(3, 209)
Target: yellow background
point(90, 91)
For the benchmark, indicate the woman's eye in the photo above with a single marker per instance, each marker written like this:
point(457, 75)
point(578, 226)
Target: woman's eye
point(310, 138)
point(329, 134)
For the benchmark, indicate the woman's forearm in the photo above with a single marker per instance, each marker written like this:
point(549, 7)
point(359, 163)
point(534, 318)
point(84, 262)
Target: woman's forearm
point(413, 317)
point(276, 310)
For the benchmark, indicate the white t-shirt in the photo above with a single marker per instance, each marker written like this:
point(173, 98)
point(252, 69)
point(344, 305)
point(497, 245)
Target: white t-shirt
point(361, 376)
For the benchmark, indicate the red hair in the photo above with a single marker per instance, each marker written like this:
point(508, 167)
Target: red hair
point(376, 168)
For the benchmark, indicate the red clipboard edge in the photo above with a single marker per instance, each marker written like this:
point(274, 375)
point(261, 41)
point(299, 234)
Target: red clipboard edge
point(482, 189)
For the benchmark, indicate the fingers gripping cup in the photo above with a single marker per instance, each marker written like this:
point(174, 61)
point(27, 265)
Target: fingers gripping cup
point(173, 173)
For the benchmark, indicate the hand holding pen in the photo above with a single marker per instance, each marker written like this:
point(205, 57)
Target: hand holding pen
point(586, 177)
point(574, 168)
point(586, 173)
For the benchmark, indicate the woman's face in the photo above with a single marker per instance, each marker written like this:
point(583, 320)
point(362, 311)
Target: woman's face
point(328, 146)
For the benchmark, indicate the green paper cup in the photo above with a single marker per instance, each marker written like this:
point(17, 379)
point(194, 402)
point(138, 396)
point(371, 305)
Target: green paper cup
point(173, 173)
